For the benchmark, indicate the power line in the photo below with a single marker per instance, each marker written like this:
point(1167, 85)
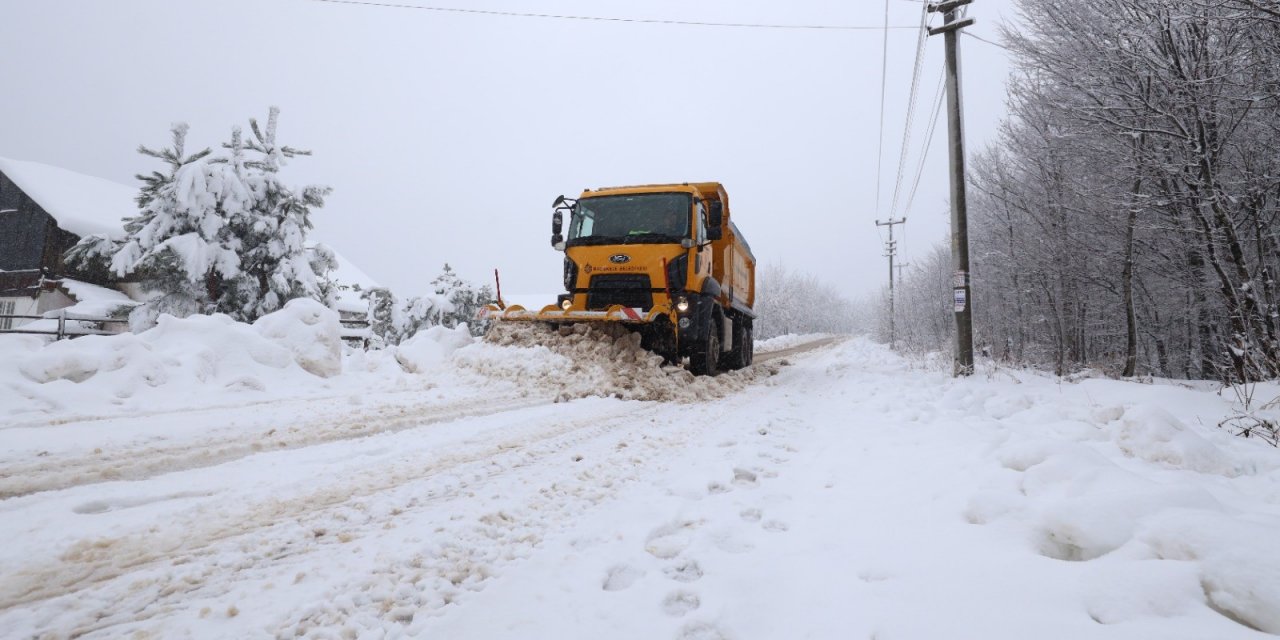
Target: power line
point(911, 107)
point(928, 142)
point(982, 39)
point(551, 16)
point(884, 75)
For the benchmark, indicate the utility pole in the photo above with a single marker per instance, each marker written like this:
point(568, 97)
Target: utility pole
point(891, 250)
point(901, 266)
point(962, 293)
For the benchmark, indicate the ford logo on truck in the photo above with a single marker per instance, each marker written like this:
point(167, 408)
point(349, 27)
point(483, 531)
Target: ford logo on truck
point(619, 258)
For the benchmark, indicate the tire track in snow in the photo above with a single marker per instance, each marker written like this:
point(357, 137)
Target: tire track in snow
point(140, 463)
point(81, 574)
point(92, 562)
point(800, 348)
point(398, 592)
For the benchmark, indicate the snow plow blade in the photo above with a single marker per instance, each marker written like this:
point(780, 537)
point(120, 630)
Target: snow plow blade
point(553, 314)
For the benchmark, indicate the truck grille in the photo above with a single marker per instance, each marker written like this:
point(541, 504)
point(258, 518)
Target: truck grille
point(626, 290)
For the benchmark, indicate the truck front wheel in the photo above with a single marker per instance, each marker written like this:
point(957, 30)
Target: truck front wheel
point(704, 360)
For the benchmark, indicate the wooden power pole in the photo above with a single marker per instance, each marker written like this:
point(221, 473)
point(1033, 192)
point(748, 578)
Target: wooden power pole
point(962, 291)
point(891, 250)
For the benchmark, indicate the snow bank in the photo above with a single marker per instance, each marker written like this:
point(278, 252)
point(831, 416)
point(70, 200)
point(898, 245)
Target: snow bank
point(176, 357)
point(310, 331)
point(1135, 484)
point(1155, 435)
point(298, 352)
point(189, 360)
point(429, 350)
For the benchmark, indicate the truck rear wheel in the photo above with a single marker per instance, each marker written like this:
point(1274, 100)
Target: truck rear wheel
point(739, 357)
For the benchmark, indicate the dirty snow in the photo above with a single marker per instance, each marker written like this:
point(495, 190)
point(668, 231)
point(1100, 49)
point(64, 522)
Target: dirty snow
point(478, 492)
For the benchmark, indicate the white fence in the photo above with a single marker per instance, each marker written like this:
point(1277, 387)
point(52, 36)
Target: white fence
point(69, 325)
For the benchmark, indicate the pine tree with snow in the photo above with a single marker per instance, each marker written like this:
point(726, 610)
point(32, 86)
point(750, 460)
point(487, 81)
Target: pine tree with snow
point(179, 245)
point(421, 312)
point(323, 263)
point(382, 315)
point(464, 298)
point(271, 227)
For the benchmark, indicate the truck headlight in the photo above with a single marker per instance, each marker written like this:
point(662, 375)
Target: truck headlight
point(566, 303)
point(682, 304)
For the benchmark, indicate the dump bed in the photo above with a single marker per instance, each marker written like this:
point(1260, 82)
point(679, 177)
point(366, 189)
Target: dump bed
point(733, 266)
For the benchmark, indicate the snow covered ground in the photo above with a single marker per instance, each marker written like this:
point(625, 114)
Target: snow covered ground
point(510, 490)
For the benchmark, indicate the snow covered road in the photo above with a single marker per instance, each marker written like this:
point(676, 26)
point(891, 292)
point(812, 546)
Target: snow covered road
point(853, 494)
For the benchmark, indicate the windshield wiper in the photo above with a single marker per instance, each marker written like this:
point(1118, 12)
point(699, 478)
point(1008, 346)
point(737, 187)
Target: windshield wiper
point(591, 241)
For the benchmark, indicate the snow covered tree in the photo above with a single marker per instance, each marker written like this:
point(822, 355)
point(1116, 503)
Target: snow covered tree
point(382, 315)
point(218, 233)
point(323, 263)
point(797, 303)
point(179, 245)
point(271, 226)
point(393, 321)
point(1125, 218)
point(421, 312)
point(464, 298)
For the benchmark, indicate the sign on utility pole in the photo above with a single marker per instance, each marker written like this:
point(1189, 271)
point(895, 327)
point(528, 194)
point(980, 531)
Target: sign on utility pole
point(962, 292)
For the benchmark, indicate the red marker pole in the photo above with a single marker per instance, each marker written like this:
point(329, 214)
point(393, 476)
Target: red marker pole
point(497, 283)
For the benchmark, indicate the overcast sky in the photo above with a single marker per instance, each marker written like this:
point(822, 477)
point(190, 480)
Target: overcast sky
point(446, 136)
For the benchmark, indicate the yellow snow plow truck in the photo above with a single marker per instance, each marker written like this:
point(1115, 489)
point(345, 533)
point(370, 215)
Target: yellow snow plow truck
point(666, 261)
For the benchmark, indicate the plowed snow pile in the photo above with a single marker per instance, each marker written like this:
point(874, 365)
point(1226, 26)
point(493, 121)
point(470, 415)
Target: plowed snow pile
point(583, 360)
point(204, 361)
point(180, 363)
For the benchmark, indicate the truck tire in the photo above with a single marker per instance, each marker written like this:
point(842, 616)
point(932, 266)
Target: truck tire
point(704, 360)
point(743, 348)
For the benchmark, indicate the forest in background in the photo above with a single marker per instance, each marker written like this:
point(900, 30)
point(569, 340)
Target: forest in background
point(1126, 217)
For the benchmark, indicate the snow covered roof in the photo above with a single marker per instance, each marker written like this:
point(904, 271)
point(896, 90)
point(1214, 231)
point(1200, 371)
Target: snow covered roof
point(349, 277)
point(83, 205)
point(94, 300)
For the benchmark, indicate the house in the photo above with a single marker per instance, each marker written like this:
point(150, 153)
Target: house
point(351, 298)
point(44, 211)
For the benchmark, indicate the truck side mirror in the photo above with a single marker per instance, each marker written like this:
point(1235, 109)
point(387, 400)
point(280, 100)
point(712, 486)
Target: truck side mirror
point(717, 215)
point(557, 225)
point(715, 222)
point(559, 201)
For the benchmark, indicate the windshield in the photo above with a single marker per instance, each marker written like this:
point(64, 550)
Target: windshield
point(640, 218)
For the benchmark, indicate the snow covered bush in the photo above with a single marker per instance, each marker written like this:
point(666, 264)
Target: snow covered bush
point(453, 304)
point(464, 299)
point(395, 320)
point(217, 234)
